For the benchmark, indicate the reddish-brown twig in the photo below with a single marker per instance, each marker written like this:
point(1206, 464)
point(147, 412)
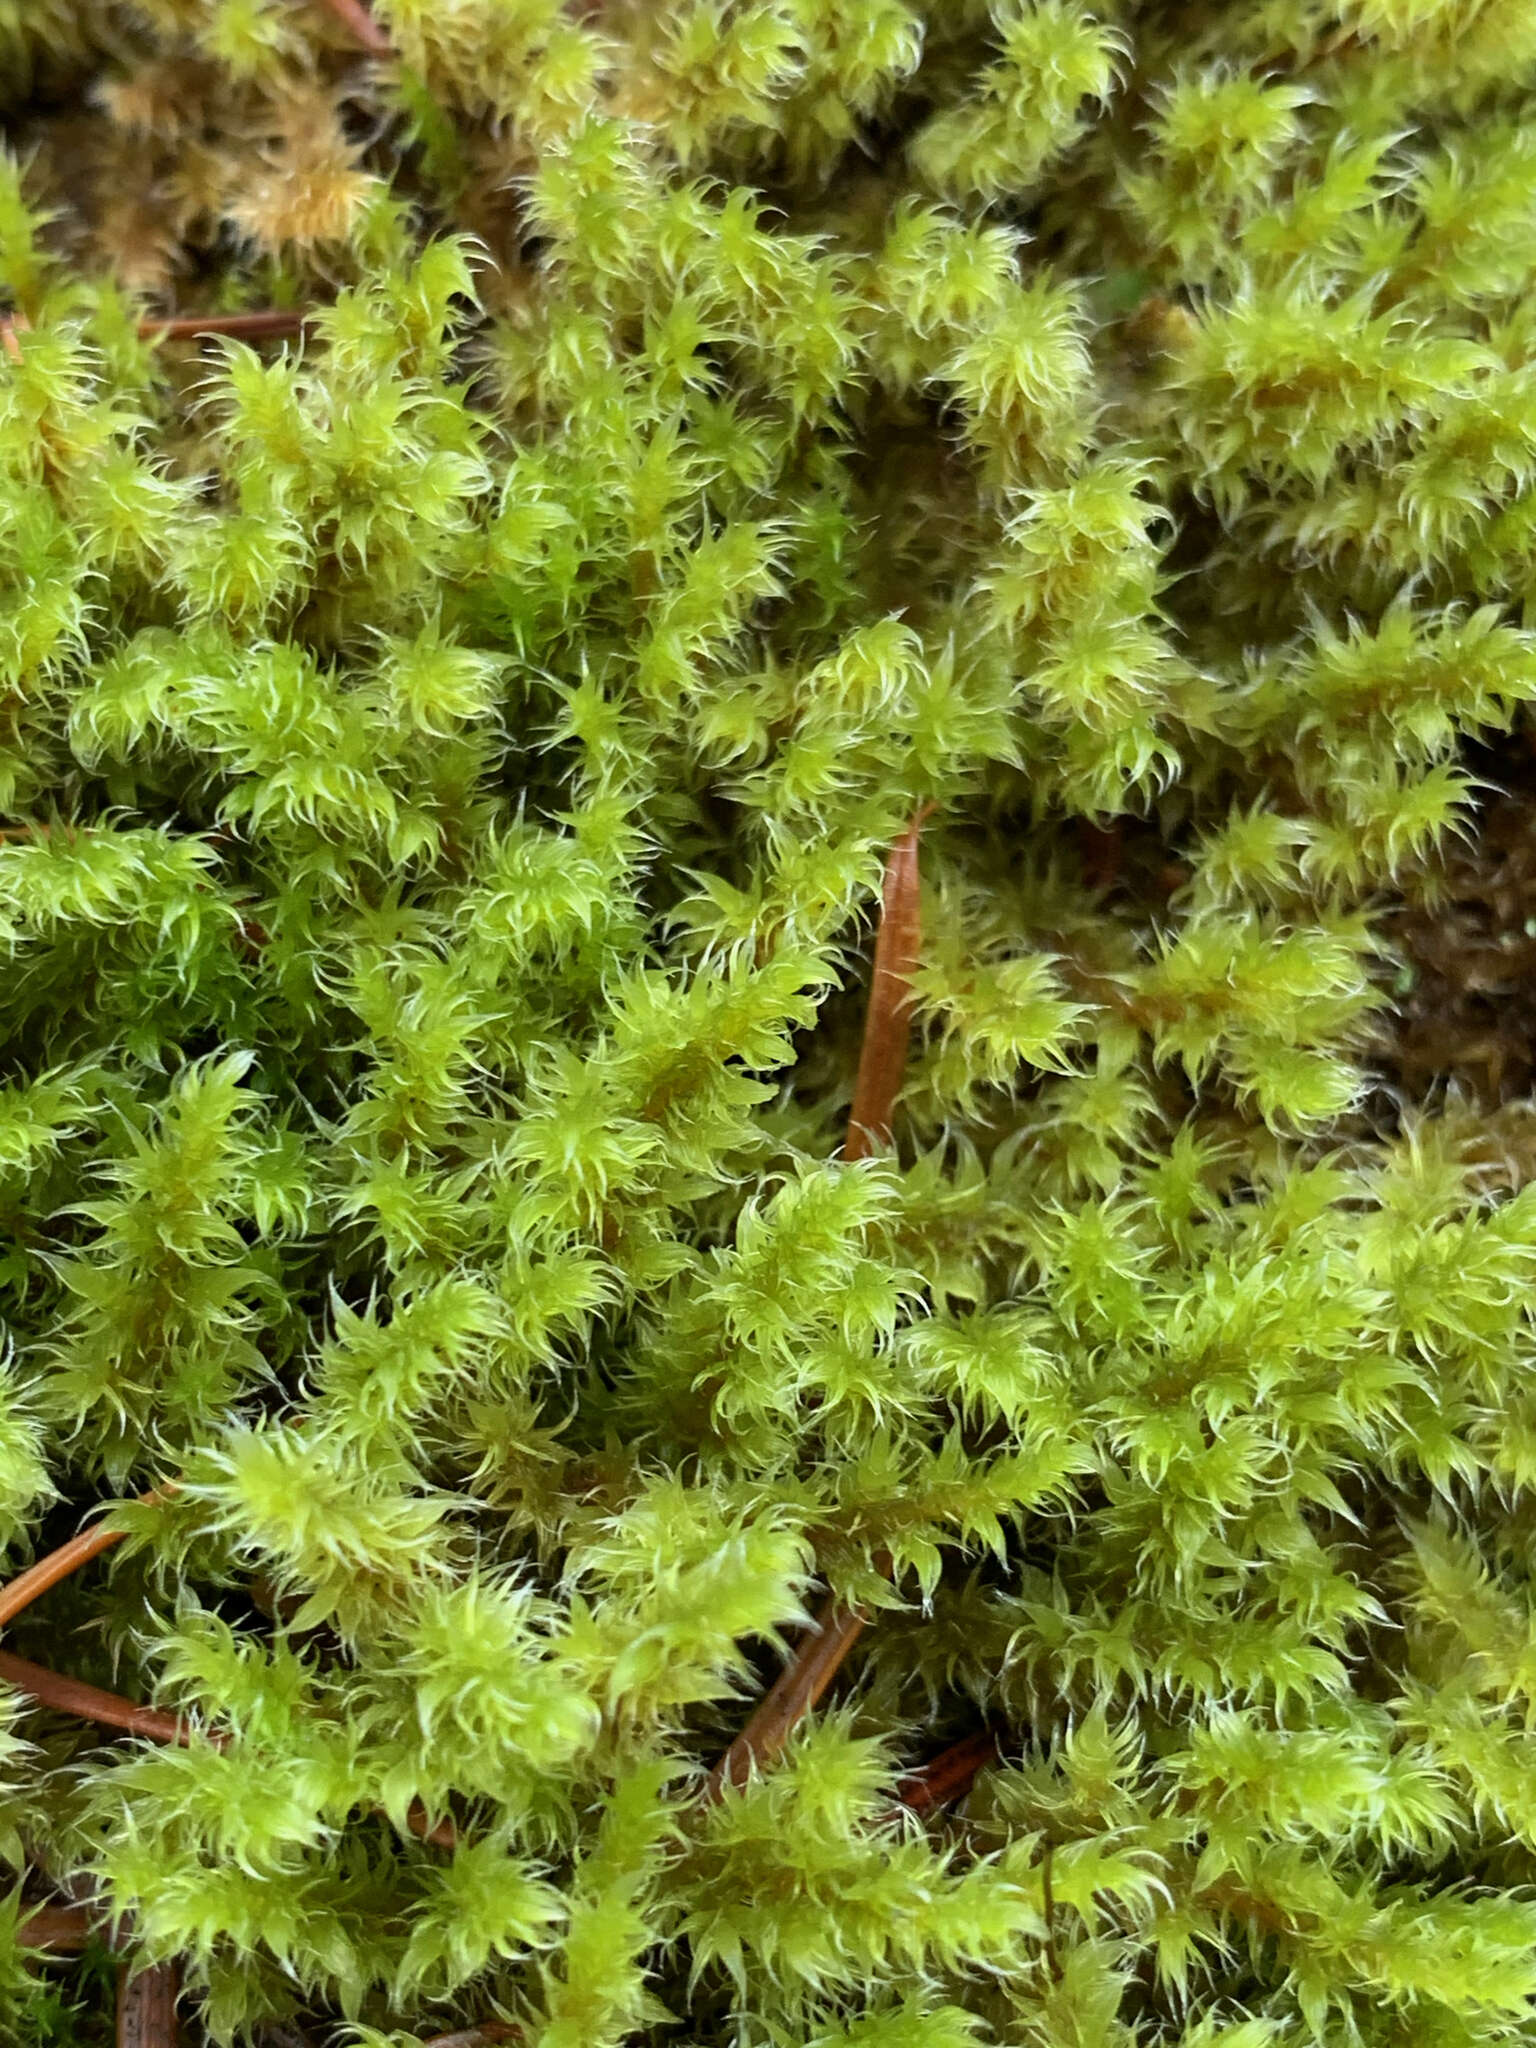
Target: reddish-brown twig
point(269, 321)
point(146, 2006)
point(90, 1703)
point(887, 1022)
point(62, 1930)
point(475, 2037)
point(184, 326)
point(882, 1062)
point(950, 1774)
point(360, 24)
point(36, 1580)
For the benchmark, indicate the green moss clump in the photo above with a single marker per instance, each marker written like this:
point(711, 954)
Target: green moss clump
point(447, 765)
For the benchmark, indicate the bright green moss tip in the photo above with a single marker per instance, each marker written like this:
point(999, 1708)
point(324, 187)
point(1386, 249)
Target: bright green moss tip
point(448, 759)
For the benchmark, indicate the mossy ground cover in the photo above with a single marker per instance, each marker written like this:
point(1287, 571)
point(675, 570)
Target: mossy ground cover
point(522, 525)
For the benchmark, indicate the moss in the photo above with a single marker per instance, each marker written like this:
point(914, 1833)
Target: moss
point(452, 738)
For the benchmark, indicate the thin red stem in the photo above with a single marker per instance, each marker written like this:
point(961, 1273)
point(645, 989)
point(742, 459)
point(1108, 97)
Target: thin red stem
point(89, 1703)
point(444, 1836)
point(1102, 848)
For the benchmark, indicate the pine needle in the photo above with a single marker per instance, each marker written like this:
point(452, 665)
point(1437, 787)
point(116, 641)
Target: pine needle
point(269, 321)
point(950, 1775)
point(90, 1703)
point(796, 1690)
point(882, 1063)
point(887, 1023)
point(475, 2037)
point(37, 1579)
